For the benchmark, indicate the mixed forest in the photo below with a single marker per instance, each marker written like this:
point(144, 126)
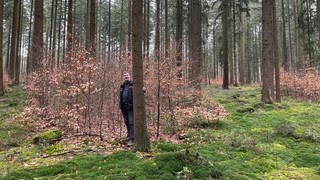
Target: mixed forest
point(221, 89)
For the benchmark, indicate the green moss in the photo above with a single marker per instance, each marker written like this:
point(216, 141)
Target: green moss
point(171, 161)
point(53, 149)
point(48, 137)
point(292, 173)
point(165, 147)
point(11, 133)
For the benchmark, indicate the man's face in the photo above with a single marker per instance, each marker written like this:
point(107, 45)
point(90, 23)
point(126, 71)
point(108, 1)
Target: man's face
point(126, 77)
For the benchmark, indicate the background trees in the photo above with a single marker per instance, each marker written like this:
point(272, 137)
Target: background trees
point(108, 29)
point(225, 42)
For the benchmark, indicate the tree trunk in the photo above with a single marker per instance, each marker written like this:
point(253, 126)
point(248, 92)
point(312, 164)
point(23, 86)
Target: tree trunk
point(318, 18)
point(179, 31)
point(284, 39)
point(70, 27)
point(230, 55)
point(37, 36)
point(140, 128)
point(225, 28)
point(157, 56)
point(29, 63)
point(19, 42)
point(109, 31)
point(129, 25)
point(157, 31)
point(196, 50)
point(53, 41)
point(309, 32)
point(14, 39)
point(276, 54)
point(242, 48)
point(167, 38)
point(1, 54)
point(267, 42)
point(234, 45)
point(148, 29)
point(92, 31)
point(122, 34)
point(59, 33)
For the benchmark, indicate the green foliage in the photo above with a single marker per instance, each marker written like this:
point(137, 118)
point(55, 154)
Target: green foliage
point(48, 137)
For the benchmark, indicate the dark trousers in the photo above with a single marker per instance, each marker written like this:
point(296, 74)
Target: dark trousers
point(128, 121)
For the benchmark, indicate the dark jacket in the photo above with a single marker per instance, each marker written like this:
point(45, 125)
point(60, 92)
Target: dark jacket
point(126, 103)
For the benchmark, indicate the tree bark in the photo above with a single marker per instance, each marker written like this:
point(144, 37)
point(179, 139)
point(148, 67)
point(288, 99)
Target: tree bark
point(276, 54)
point(1, 54)
point(225, 28)
point(157, 31)
point(140, 128)
point(19, 42)
point(129, 25)
point(37, 36)
point(14, 39)
point(267, 42)
point(179, 31)
point(318, 17)
point(284, 39)
point(167, 38)
point(92, 31)
point(70, 26)
point(243, 26)
point(196, 50)
point(29, 63)
point(109, 31)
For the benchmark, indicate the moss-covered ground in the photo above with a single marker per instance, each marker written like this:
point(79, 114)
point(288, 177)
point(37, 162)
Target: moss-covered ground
point(255, 141)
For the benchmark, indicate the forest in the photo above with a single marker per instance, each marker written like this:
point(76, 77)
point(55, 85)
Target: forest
point(159, 89)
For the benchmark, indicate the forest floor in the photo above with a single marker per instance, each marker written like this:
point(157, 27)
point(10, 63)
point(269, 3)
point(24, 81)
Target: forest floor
point(255, 141)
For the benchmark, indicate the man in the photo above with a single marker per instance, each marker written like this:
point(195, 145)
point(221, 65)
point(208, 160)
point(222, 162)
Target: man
point(126, 106)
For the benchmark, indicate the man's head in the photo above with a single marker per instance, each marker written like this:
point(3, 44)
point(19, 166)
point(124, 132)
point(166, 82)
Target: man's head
point(126, 77)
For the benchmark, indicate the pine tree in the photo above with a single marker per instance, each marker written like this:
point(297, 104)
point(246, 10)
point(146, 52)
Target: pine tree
point(140, 128)
point(267, 63)
point(37, 36)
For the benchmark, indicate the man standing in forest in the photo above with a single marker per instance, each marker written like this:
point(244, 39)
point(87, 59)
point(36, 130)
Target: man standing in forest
point(126, 106)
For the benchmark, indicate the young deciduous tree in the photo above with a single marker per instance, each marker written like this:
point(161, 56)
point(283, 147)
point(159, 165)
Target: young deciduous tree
point(140, 128)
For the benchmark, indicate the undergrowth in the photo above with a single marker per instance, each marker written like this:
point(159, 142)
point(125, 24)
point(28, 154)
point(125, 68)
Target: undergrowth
point(255, 141)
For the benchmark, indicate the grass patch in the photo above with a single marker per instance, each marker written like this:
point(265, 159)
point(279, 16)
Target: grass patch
point(11, 104)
